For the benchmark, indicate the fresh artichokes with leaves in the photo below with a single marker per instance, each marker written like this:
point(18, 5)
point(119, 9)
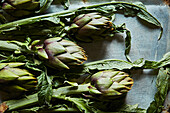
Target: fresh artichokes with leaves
point(110, 83)
point(103, 86)
point(22, 8)
point(91, 26)
point(60, 53)
point(14, 79)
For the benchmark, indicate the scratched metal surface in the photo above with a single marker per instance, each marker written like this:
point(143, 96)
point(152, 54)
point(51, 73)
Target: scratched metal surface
point(144, 45)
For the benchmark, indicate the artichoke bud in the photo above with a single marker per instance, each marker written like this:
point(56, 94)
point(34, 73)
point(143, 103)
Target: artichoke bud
point(111, 84)
point(91, 26)
point(15, 80)
point(20, 8)
point(8, 72)
point(60, 53)
point(11, 72)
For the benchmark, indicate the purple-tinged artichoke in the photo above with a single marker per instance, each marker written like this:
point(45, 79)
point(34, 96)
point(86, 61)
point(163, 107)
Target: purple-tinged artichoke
point(110, 83)
point(91, 26)
point(60, 53)
point(103, 86)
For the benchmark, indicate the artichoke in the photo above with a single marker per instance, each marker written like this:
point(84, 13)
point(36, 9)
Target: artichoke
point(56, 52)
point(110, 83)
point(91, 26)
point(103, 86)
point(22, 8)
point(14, 80)
point(60, 53)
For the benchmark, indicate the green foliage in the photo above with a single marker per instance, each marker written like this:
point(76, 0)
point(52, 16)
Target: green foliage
point(45, 89)
point(162, 89)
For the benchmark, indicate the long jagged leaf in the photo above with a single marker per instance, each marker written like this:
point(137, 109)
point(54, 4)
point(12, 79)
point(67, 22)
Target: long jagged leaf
point(108, 64)
point(158, 64)
point(78, 71)
point(81, 104)
point(45, 89)
point(163, 77)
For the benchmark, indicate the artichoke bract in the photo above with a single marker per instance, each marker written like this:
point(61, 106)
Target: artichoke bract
point(60, 53)
point(15, 79)
point(110, 83)
point(91, 26)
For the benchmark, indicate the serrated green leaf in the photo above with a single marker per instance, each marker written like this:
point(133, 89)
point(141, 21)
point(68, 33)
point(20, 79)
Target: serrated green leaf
point(108, 64)
point(45, 89)
point(162, 90)
point(147, 17)
point(161, 63)
point(81, 104)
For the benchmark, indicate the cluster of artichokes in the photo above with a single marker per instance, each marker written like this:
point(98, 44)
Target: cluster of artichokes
point(61, 54)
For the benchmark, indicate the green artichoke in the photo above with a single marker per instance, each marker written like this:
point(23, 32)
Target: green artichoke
point(22, 8)
point(60, 53)
point(91, 26)
point(103, 86)
point(9, 71)
point(110, 83)
point(56, 52)
point(14, 79)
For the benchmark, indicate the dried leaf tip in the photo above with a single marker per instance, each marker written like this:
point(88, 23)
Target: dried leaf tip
point(3, 107)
